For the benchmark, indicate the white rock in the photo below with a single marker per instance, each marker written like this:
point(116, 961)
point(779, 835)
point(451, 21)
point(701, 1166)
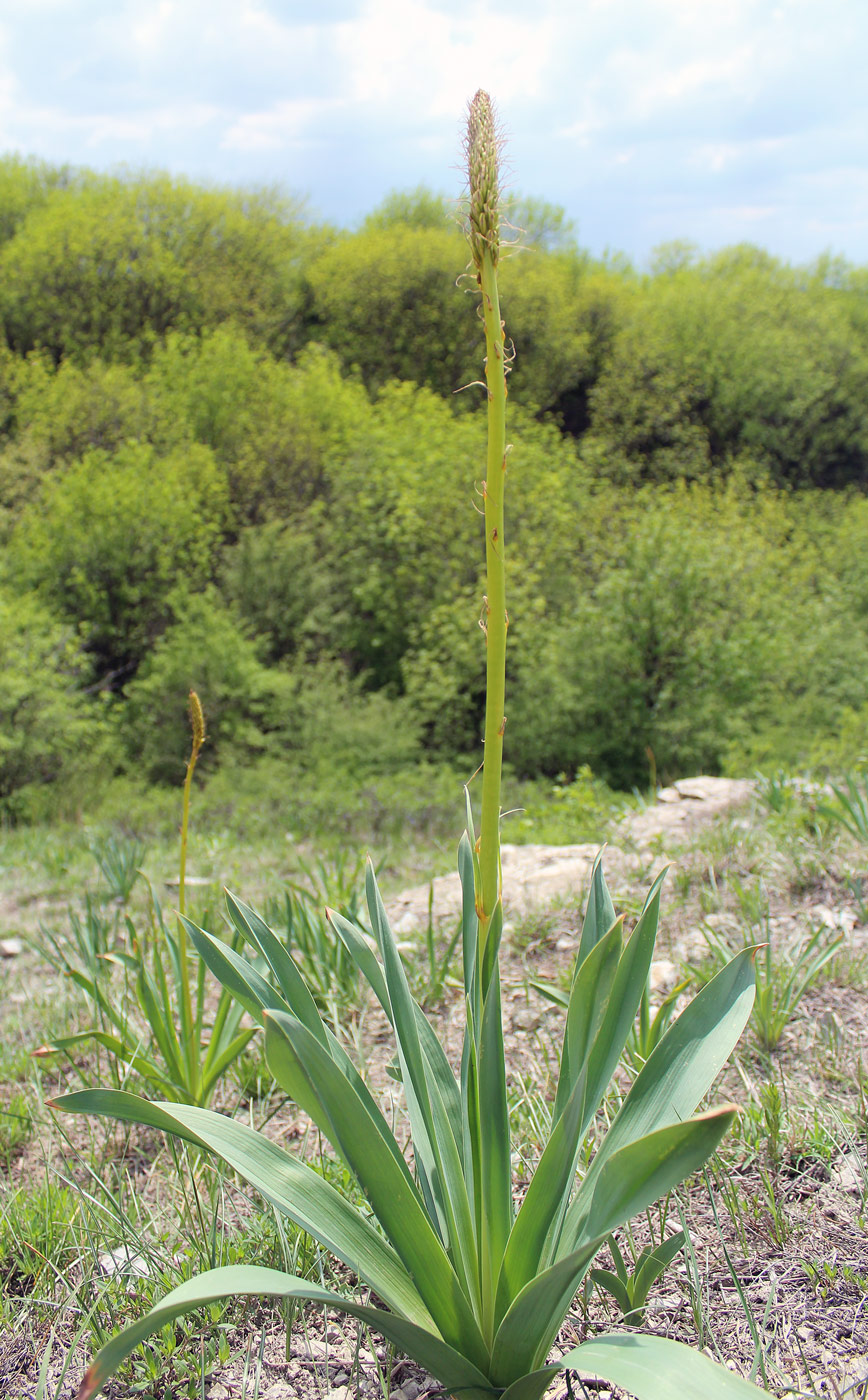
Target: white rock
point(119, 1261)
point(10, 947)
point(663, 975)
point(851, 1174)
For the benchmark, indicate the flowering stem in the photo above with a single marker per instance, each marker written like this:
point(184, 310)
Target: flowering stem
point(495, 605)
point(197, 719)
point(484, 237)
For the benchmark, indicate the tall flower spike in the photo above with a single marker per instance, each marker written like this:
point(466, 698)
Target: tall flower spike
point(197, 720)
point(483, 150)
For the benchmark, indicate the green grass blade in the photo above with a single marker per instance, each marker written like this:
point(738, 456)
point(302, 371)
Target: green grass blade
point(363, 956)
point(213, 1069)
point(236, 974)
point(366, 961)
point(122, 1050)
point(289, 1185)
point(452, 1369)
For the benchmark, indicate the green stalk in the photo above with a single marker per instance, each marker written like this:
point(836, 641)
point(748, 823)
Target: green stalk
point(197, 720)
point(484, 237)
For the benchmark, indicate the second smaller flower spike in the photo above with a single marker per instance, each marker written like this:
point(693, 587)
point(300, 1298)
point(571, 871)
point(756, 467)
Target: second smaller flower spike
point(483, 152)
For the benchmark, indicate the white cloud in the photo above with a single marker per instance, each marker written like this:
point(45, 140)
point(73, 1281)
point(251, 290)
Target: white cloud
point(285, 124)
point(427, 59)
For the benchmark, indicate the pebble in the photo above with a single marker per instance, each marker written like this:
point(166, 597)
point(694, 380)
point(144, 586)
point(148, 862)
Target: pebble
point(279, 1390)
point(850, 1174)
point(120, 1261)
point(10, 947)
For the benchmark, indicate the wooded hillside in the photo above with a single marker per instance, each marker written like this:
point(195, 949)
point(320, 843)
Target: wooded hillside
point(232, 456)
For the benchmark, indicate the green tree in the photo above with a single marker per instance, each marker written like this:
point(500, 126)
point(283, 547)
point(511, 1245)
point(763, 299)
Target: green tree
point(385, 299)
point(50, 732)
point(736, 354)
point(109, 266)
point(107, 542)
point(273, 427)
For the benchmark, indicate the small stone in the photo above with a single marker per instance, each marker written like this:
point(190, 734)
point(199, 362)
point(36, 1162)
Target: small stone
point(120, 1261)
point(340, 1392)
point(279, 1390)
point(565, 945)
point(218, 1391)
point(850, 1174)
point(663, 975)
point(10, 947)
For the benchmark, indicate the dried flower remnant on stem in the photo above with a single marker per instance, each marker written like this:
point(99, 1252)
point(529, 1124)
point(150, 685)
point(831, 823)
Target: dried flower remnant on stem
point(482, 148)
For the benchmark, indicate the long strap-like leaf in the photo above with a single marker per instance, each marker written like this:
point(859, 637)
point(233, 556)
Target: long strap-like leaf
point(650, 1368)
point(361, 1138)
point(677, 1075)
point(292, 1187)
point(599, 912)
point(437, 1139)
point(630, 1181)
point(453, 1370)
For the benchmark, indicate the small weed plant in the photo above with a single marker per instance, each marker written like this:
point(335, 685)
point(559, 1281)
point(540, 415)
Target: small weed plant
point(161, 1026)
point(783, 976)
point(450, 1269)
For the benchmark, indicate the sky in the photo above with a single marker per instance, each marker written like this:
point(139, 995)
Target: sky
point(711, 121)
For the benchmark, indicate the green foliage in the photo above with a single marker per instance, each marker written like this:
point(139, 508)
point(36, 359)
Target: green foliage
point(110, 539)
point(735, 354)
point(175, 432)
point(420, 208)
point(385, 299)
point(64, 413)
point(281, 582)
point(630, 1286)
point(275, 429)
point(25, 185)
point(108, 266)
point(474, 1290)
point(204, 649)
point(49, 733)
